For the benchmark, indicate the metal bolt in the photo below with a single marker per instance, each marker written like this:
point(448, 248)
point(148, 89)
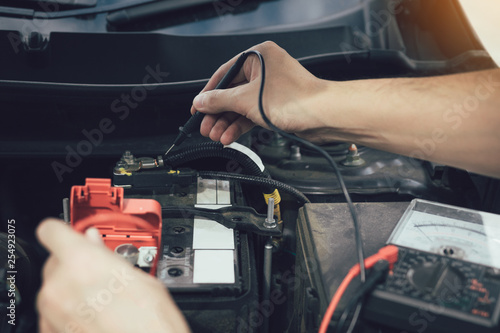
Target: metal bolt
point(270, 222)
point(66, 210)
point(128, 157)
point(148, 258)
point(129, 252)
point(352, 158)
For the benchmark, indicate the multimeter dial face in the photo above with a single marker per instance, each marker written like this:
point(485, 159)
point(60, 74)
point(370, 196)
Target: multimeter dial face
point(450, 231)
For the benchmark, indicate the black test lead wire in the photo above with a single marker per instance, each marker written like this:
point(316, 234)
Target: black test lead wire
point(352, 209)
point(359, 244)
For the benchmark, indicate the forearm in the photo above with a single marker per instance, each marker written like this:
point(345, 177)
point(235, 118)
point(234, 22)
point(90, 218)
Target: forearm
point(453, 120)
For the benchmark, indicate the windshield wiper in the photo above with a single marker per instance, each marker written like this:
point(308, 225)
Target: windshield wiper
point(31, 14)
point(27, 8)
point(140, 12)
point(16, 12)
point(63, 3)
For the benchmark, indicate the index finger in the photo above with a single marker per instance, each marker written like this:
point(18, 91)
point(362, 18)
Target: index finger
point(219, 74)
point(221, 71)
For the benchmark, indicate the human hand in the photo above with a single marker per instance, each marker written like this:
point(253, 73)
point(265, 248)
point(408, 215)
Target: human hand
point(292, 97)
point(87, 288)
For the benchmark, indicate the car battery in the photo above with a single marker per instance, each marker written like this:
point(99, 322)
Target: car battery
point(208, 268)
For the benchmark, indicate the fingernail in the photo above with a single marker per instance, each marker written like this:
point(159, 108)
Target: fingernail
point(198, 101)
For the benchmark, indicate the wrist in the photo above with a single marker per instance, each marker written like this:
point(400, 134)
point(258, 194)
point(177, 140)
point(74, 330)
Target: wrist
point(335, 111)
point(353, 111)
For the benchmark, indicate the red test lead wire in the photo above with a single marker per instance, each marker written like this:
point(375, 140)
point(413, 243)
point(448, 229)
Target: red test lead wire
point(388, 253)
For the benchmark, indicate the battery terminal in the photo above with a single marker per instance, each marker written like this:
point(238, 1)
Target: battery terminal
point(129, 163)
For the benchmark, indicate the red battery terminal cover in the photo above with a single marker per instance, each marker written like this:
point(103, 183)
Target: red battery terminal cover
point(120, 221)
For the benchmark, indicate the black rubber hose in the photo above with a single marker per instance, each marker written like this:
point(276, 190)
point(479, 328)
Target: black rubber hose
point(258, 181)
point(214, 149)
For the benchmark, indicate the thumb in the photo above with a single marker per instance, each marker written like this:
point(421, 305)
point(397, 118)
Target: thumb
point(218, 101)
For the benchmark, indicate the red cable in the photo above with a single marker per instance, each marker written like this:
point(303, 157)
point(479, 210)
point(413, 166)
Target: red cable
point(388, 253)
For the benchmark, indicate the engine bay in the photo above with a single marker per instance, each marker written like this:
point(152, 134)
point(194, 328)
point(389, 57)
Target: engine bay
point(250, 237)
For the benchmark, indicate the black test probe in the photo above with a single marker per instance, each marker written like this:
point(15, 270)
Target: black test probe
point(194, 122)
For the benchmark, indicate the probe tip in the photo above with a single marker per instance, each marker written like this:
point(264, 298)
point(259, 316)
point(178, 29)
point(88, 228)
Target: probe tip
point(169, 149)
